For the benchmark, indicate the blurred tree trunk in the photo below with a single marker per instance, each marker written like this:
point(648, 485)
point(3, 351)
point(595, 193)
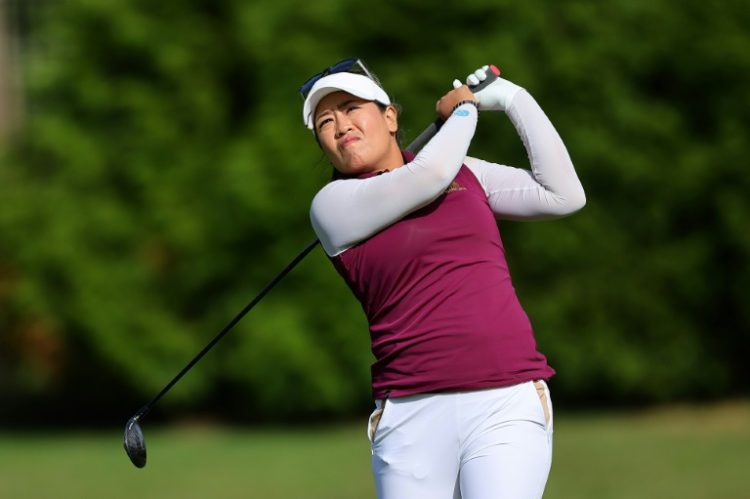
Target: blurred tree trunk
point(9, 105)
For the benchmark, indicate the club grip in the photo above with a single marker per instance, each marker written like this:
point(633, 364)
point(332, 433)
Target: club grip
point(424, 137)
point(493, 74)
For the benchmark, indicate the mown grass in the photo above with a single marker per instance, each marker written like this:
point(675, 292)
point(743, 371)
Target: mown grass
point(684, 452)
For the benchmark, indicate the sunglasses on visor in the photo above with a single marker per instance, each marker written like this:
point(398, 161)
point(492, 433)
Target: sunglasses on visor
point(351, 65)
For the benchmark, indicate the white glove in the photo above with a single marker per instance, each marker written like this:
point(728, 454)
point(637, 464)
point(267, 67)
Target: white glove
point(497, 96)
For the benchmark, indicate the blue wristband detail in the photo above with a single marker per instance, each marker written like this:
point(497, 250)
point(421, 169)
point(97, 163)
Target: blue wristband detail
point(463, 112)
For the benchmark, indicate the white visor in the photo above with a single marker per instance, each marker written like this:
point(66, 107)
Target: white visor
point(358, 85)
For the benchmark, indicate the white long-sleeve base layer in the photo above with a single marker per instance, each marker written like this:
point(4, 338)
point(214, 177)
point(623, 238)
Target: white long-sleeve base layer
point(348, 211)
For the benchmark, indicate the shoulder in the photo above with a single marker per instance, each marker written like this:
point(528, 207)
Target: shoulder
point(326, 194)
point(335, 196)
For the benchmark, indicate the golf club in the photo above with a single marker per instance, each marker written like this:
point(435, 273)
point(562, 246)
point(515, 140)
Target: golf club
point(134, 442)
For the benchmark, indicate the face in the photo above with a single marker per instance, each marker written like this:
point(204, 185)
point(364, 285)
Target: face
point(356, 135)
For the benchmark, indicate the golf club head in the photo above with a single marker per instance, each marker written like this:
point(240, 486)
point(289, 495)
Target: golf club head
point(134, 443)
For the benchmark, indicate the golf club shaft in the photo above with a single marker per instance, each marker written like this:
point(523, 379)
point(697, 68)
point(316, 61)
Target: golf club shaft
point(422, 139)
point(413, 147)
point(146, 408)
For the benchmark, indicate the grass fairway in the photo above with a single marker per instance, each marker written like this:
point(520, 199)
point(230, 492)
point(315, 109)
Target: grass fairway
point(666, 453)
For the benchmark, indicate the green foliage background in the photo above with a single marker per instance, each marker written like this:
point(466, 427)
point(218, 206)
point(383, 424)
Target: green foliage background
point(163, 176)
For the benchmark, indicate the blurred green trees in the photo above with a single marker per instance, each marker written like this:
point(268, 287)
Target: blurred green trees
point(163, 176)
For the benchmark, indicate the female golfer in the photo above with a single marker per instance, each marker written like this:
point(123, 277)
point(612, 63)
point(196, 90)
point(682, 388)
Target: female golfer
point(462, 408)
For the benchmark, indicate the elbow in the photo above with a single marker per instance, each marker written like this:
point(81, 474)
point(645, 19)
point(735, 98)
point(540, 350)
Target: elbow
point(576, 201)
point(563, 205)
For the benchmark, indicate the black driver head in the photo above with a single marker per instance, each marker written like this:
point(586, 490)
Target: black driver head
point(134, 443)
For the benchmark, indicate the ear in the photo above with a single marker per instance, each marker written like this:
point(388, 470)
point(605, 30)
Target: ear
point(391, 118)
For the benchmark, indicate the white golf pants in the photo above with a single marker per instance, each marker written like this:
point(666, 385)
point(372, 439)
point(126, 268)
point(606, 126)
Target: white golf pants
point(483, 444)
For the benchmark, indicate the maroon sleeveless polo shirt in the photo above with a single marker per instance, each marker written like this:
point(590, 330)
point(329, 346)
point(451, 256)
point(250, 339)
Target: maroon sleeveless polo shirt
point(442, 311)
